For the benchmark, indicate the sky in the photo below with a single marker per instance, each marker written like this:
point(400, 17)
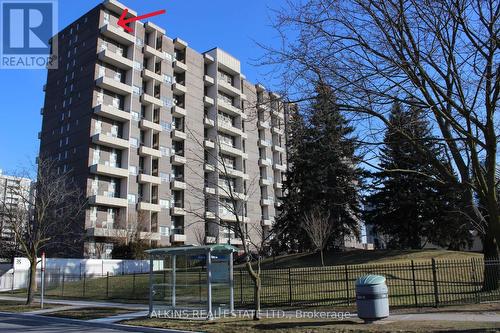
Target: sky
point(233, 25)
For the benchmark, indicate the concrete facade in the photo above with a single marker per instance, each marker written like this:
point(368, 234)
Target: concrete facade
point(155, 132)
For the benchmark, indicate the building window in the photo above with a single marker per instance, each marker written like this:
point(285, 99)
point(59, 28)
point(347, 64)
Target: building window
point(131, 199)
point(164, 231)
point(134, 142)
point(165, 204)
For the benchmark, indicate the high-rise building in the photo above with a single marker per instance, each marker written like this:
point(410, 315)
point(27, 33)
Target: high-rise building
point(155, 132)
point(16, 195)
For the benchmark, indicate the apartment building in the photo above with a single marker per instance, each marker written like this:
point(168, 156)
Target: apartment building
point(155, 132)
point(15, 197)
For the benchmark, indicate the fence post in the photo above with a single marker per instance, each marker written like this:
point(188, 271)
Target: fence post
point(474, 281)
point(290, 286)
point(346, 269)
point(107, 284)
point(133, 286)
point(414, 283)
point(84, 284)
point(434, 279)
point(62, 285)
point(13, 278)
point(241, 287)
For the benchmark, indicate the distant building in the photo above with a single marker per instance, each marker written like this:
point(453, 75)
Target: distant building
point(12, 191)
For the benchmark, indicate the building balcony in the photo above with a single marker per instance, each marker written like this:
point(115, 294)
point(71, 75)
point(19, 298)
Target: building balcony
point(208, 101)
point(116, 59)
point(209, 81)
point(148, 151)
point(153, 236)
point(208, 58)
point(229, 128)
point(228, 88)
point(178, 135)
point(264, 107)
point(209, 190)
point(148, 99)
point(177, 160)
point(177, 111)
point(266, 202)
point(147, 74)
point(149, 179)
point(278, 131)
point(208, 122)
point(232, 218)
point(232, 172)
point(117, 34)
point(266, 223)
point(226, 193)
point(230, 109)
point(179, 88)
point(210, 215)
point(106, 232)
point(278, 185)
point(177, 211)
point(231, 150)
point(111, 112)
point(113, 85)
point(102, 200)
point(264, 143)
point(149, 125)
point(278, 148)
point(106, 170)
point(209, 144)
point(265, 182)
point(177, 238)
point(149, 207)
point(210, 240)
point(263, 124)
point(151, 51)
point(209, 167)
point(280, 167)
point(178, 185)
point(265, 162)
point(180, 67)
point(110, 141)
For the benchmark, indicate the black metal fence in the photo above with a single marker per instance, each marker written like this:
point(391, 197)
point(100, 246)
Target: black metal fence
point(411, 284)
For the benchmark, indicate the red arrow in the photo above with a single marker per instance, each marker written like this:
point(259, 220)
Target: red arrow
point(122, 22)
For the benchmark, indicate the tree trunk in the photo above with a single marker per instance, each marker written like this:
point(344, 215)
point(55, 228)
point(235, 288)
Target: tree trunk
point(256, 289)
point(32, 282)
point(322, 259)
point(491, 265)
point(256, 315)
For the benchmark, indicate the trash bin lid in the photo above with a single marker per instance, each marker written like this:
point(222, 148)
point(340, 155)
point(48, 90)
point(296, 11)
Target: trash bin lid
point(370, 280)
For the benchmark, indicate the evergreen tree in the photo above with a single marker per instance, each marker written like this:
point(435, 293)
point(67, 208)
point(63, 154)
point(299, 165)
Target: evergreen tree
point(410, 205)
point(323, 173)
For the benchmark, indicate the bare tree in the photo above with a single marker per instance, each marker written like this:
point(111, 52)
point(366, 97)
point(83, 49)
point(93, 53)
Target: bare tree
point(229, 211)
point(319, 229)
point(45, 219)
point(441, 56)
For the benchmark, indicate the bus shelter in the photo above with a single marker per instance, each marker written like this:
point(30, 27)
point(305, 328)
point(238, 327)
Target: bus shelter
point(193, 278)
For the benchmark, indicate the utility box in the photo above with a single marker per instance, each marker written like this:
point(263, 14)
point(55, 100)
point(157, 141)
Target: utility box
point(372, 298)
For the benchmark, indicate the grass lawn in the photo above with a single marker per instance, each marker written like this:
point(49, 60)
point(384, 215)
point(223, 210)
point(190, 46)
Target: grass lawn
point(14, 306)
point(317, 326)
point(89, 313)
point(355, 257)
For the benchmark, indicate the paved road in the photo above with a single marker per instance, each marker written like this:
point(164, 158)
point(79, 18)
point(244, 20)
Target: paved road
point(24, 323)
